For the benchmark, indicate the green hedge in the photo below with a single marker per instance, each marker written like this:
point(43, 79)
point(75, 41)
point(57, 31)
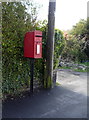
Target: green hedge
point(16, 68)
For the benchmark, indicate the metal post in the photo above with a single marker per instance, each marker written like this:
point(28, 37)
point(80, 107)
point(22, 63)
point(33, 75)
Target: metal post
point(32, 74)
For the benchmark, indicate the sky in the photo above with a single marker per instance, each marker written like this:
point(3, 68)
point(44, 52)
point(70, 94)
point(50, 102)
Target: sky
point(68, 12)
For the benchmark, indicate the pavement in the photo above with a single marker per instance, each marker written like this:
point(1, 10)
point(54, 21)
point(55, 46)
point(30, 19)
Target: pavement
point(68, 100)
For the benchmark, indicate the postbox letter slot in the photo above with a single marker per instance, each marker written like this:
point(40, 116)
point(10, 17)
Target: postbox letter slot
point(38, 35)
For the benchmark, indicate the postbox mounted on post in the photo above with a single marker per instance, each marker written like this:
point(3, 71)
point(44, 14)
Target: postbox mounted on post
point(33, 44)
point(32, 49)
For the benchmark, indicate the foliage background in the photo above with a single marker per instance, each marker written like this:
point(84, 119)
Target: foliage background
point(77, 43)
point(16, 68)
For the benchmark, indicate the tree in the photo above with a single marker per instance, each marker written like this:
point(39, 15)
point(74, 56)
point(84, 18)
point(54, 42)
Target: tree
point(79, 30)
point(80, 33)
point(86, 45)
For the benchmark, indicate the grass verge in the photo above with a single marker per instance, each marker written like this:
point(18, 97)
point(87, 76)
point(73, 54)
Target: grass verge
point(77, 69)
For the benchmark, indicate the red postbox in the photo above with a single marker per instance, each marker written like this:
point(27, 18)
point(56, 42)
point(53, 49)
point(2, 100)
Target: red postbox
point(33, 44)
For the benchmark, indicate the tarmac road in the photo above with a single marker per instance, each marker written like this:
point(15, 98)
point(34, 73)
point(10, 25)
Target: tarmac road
point(68, 100)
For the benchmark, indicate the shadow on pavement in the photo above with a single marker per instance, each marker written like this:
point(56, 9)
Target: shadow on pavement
point(58, 102)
